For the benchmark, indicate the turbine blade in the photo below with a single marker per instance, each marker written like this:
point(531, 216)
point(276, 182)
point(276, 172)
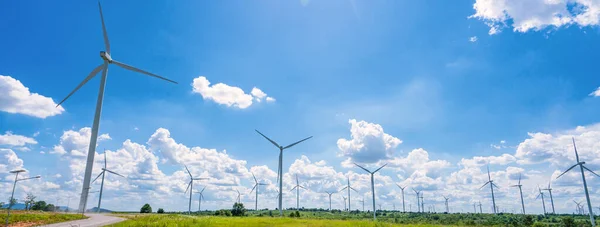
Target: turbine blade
point(343, 189)
point(353, 189)
point(254, 178)
point(202, 189)
point(293, 144)
point(538, 196)
point(495, 185)
point(362, 168)
point(591, 171)
point(106, 43)
point(188, 170)
point(115, 173)
point(253, 188)
point(519, 178)
point(488, 170)
point(88, 78)
point(380, 168)
point(575, 148)
point(301, 186)
point(188, 187)
point(270, 140)
point(293, 188)
point(105, 158)
point(566, 171)
point(97, 177)
point(122, 65)
point(484, 185)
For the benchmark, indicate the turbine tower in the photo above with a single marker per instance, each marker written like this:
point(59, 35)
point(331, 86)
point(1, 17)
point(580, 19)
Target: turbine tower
point(280, 167)
point(239, 196)
point(579, 207)
point(480, 209)
point(191, 187)
point(103, 173)
point(549, 189)
point(348, 187)
point(446, 203)
point(403, 206)
point(520, 192)
point(422, 203)
point(418, 202)
point(372, 187)
point(329, 193)
point(200, 197)
point(492, 185)
point(297, 187)
point(587, 195)
point(542, 195)
point(107, 59)
point(256, 185)
point(344, 202)
point(363, 203)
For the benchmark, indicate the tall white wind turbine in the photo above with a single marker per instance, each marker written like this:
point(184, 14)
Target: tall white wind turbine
point(280, 167)
point(418, 201)
point(239, 196)
point(190, 187)
point(329, 194)
point(549, 189)
point(446, 203)
point(344, 202)
point(297, 187)
point(363, 203)
point(348, 187)
point(103, 173)
point(372, 187)
point(200, 197)
point(256, 185)
point(403, 206)
point(542, 195)
point(520, 192)
point(587, 195)
point(107, 59)
point(492, 185)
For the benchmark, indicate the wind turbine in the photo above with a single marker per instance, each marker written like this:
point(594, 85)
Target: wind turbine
point(297, 187)
point(103, 173)
point(191, 187)
point(280, 167)
point(521, 193)
point(344, 202)
point(256, 185)
point(418, 202)
point(446, 203)
point(587, 195)
point(480, 209)
point(402, 188)
point(363, 203)
point(492, 185)
point(549, 189)
point(329, 193)
point(422, 203)
point(239, 196)
point(348, 187)
point(372, 186)
point(474, 209)
point(542, 195)
point(200, 197)
point(107, 59)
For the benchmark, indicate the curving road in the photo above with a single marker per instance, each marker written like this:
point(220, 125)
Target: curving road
point(92, 221)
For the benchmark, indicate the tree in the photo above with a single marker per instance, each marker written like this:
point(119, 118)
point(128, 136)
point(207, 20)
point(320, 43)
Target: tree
point(238, 209)
point(160, 211)
point(49, 207)
point(12, 202)
point(146, 209)
point(29, 201)
point(39, 205)
point(1, 205)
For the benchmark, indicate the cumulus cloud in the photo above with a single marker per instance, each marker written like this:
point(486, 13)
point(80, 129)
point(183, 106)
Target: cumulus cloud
point(596, 93)
point(224, 94)
point(503, 159)
point(473, 39)
point(11, 139)
point(18, 99)
point(536, 15)
point(369, 143)
point(76, 143)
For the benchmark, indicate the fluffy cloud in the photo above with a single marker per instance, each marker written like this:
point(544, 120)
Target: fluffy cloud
point(10, 139)
point(473, 39)
point(76, 143)
point(9, 161)
point(369, 143)
point(17, 98)
point(503, 159)
point(227, 95)
point(536, 15)
point(596, 93)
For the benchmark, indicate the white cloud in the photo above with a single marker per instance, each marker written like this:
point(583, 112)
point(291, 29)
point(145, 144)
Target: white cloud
point(473, 39)
point(17, 98)
point(76, 143)
point(536, 15)
point(227, 95)
point(503, 159)
point(9, 161)
point(15, 140)
point(270, 99)
point(369, 143)
point(596, 93)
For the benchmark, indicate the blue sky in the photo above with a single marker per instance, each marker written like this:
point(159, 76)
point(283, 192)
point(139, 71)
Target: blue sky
point(450, 78)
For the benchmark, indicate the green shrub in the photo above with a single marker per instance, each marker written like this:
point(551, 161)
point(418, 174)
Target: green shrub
point(146, 209)
point(238, 209)
point(538, 224)
point(160, 211)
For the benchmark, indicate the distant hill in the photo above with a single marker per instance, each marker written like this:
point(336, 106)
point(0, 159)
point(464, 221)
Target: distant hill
point(17, 206)
point(102, 210)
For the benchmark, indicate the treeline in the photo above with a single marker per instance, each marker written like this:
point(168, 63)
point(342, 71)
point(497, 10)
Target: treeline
point(30, 203)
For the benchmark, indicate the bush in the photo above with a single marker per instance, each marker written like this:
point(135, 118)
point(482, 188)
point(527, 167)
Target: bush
point(297, 214)
point(160, 211)
point(568, 221)
point(238, 209)
point(39, 205)
point(528, 220)
point(146, 209)
point(538, 224)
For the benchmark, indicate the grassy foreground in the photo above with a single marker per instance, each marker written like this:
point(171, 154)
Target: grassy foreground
point(186, 220)
point(36, 218)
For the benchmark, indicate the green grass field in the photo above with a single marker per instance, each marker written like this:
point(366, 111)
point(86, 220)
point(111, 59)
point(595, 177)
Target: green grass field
point(35, 218)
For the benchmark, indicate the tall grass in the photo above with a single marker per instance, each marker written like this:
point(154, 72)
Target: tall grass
point(37, 217)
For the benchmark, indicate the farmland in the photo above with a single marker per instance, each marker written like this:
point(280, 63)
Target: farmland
point(35, 218)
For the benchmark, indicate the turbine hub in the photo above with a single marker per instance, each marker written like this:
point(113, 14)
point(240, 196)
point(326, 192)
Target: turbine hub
point(581, 163)
point(105, 56)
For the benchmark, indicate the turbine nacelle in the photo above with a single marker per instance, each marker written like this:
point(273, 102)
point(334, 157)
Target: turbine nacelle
point(105, 56)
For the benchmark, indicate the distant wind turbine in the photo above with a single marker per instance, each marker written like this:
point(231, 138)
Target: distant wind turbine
point(492, 185)
point(256, 185)
point(372, 186)
point(348, 187)
point(344, 202)
point(418, 202)
point(542, 195)
point(280, 167)
point(239, 196)
point(107, 59)
point(480, 209)
point(422, 203)
point(587, 195)
point(200, 197)
point(549, 189)
point(403, 206)
point(297, 187)
point(520, 192)
point(191, 187)
point(103, 173)
point(579, 207)
point(329, 194)
point(363, 203)
point(446, 203)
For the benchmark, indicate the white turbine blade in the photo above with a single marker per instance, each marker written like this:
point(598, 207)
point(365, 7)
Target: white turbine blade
point(495, 185)
point(141, 71)
point(253, 188)
point(587, 170)
point(202, 189)
point(538, 196)
point(293, 144)
point(97, 177)
point(362, 168)
point(343, 189)
point(270, 140)
point(353, 189)
point(302, 187)
point(188, 187)
point(488, 169)
point(484, 185)
point(106, 43)
point(262, 184)
point(200, 178)
point(115, 173)
point(566, 171)
point(255, 181)
point(105, 158)
point(380, 168)
point(519, 178)
point(294, 188)
point(186, 168)
point(88, 78)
